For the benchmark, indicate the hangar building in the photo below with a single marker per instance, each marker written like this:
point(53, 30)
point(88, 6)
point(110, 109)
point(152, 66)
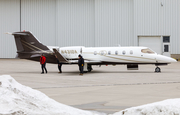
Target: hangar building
point(152, 23)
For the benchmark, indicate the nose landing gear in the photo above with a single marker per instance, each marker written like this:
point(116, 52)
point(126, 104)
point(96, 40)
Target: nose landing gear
point(157, 70)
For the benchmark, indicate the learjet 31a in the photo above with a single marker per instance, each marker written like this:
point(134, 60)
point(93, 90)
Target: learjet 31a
point(28, 47)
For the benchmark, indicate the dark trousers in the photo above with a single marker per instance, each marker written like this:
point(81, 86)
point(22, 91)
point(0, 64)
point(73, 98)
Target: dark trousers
point(81, 69)
point(43, 66)
point(59, 67)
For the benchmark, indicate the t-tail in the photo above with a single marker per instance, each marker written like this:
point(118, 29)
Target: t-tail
point(28, 47)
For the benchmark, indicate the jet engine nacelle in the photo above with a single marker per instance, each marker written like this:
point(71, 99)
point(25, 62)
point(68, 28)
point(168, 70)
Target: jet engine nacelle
point(132, 66)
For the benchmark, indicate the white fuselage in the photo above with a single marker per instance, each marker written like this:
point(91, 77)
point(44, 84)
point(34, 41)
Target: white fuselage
point(139, 55)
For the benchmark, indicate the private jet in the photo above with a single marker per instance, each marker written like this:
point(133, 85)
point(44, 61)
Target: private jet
point(29, 47)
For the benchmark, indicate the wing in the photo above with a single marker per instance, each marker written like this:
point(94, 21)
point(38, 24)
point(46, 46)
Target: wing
point(59, 56)
point(85, 61)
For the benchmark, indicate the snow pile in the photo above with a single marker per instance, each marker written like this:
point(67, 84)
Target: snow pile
point(166, 107)
point(17, 99)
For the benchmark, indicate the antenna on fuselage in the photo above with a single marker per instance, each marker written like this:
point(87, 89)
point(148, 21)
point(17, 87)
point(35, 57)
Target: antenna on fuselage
point(119, 45)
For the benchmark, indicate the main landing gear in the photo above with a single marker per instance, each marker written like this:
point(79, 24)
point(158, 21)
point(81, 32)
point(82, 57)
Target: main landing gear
point(157, 70)
point(89, 68)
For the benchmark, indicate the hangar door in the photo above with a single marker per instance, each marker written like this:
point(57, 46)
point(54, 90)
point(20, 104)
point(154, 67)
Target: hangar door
point(10, 22)
point(153, 42)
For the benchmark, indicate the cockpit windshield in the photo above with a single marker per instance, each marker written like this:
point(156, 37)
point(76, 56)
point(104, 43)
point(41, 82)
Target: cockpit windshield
point(147, 50)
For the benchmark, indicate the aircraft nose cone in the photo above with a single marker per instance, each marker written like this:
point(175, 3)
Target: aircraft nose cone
point(169, 59)
point(173, 60)
point(161, 58)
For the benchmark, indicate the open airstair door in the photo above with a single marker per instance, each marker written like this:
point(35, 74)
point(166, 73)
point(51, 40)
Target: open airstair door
point(59, 56)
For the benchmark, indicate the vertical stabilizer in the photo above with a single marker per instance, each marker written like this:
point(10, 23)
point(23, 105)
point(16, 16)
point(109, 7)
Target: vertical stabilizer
point(27, 44)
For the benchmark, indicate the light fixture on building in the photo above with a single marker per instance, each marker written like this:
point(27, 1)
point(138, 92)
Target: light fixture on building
point(161, 4)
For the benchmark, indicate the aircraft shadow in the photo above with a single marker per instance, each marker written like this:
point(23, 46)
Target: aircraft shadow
point(92, 72)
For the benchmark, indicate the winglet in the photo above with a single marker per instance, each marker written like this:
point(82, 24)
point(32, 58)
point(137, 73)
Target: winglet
point(59, 56)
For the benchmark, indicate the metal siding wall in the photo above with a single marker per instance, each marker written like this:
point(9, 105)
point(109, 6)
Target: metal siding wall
point(151, 19)
point(178, 28)
point(114, 22)
point(10, 22)
point(89, 22)
point(39, 17)
point(75, 22)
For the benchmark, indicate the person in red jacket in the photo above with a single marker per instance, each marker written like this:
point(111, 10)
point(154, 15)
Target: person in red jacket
point(43, 63)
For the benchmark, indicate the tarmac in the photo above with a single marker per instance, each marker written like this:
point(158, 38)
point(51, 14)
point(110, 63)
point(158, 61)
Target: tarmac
point(106, 89)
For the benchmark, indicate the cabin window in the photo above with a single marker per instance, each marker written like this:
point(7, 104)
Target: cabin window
point(116, 52)
point(131, 52)
point(95, 52)
point(147, 51)
point(124, 52)
point(109, 52)
point(102, 53)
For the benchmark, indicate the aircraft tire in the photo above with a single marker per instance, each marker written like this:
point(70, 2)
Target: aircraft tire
point(158, 69)
point(89, 68)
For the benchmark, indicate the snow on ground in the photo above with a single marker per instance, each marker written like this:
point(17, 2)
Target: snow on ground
point(166, 107)
point(17, 99)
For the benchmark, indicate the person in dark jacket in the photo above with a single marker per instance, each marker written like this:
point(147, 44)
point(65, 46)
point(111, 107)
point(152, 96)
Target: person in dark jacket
point(59, 65)
point(43, 63)
point(81, 64)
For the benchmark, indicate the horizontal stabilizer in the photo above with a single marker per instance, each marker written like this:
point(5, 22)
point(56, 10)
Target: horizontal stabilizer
point(8, 33)
point(59, 56)
point(20, 33)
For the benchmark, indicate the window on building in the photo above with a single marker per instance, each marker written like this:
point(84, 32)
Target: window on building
point(166, 48)
point(166, 39)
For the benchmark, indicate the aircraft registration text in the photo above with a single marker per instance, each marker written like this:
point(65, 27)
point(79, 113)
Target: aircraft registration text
point(68, 51)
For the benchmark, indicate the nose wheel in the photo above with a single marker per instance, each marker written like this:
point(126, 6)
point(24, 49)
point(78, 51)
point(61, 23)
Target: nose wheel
point(157, 69)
